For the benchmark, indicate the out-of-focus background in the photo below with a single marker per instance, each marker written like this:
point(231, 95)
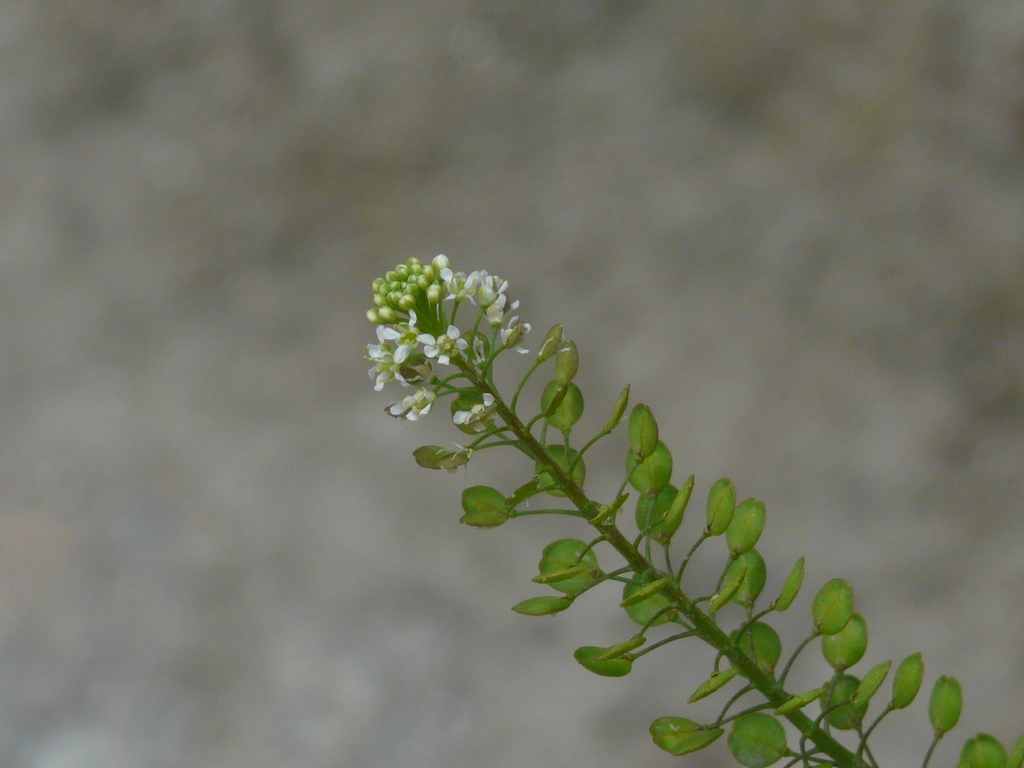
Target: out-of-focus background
point(796, 227)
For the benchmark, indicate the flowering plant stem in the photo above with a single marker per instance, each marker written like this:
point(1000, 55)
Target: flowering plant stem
point(704, 626)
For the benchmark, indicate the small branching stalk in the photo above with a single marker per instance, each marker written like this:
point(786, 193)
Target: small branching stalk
point(420, 346)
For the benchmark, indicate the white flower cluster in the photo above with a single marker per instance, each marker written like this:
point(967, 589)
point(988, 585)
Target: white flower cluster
point(409, 312)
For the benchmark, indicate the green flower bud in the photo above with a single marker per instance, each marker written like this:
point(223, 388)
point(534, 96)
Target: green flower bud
point(552, 341)
point(378, 283)
point(568, 411)
point(407, 302)
point(649, 607)
point(872, 682)
point(752, 581)
point(847, 715)
point(907, 681)
point(567, 362)
point(721, 504)
point(800, 701)
point(386, 315)
point(373, 316)
point(713, 684)
point(643, 431)
point(618, 410)
point(434, 294)
point(833, 607)
point(402, 272)
point(846, 647)
point(757, 740)
point(542, 606)
point(945, 704)
point(484, 507)
point(1016, 758)
point(761, 643)
point(792, 586)
point(546, 480)
point(650, 510)
point(679, 736)
point(745, 527)
point(390, 276)
point(652, 474)
point(674, 515)
point(565, 554)
point(984, 751)
point(587, 657)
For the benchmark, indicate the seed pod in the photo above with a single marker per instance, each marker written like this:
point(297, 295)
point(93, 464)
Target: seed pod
point(846, 647)
point(643, 431)
point(792, 586)
point(731, 583)
point(568, 411)
point(745, 527)
point(800, 701)
point(652, 474)
point(546, 480)
point(721, 504)
point(713, 684)
point(565, 554)
point(644, 592)
point(679, 736)
point(754, 579)
point(833, 607)
point(983, 751)
point(907, 681)
point(674, 515)
point(542, 606)
point(429, 456)
point(650, 510)
point(848, 715)
point(567, 362)
point(648, 608)
point(871, 683)
point(484, 507)
point(761, 643)
point(587, 657)
point(757, 740)
point(552, 341)
point(945, 704)
point(618, 410)
point(606, 511)
point(621, 649)
point(1016, 758)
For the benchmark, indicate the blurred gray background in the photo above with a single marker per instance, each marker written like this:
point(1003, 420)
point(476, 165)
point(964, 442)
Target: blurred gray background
point(796, 227)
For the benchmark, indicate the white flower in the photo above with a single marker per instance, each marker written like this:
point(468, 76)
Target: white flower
point(458, 286)
point(479, 416)
point(492, 289)
point(385, 367)
point(442, 347)
point(407, 336)
point(496, 312)
point(514, 334)
point(412, 407)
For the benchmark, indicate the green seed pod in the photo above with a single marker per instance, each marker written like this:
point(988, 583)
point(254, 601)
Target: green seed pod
point(721, 504)
point(872, 682)
point(621, 649)
point(547, 482)
point(984, 751)
point(945, 704)
point(679, 736)
point(647, 609)
point(847, 716)
point(792, 586)
point(565, 554)
point(587, 657)
point(757, 740)
point(563, 575)
point(567, 362)
point(907, 681)
point(745, 527)
point(1016, 758)
point(800, 701)
point(652, 474)
point(645, 591)
point(761, 643)
point(552, 341)
point(674, 516)
point(484, 507)
point(643, 431)
point(618, 410)
point(429, 456)
point(650, 510)
point(731, 583)
point(833, 607)
point(846, 647)
point(754, 579)
point(542, 606)
point(606, 511)
point(566, 413)
point(713, 684)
